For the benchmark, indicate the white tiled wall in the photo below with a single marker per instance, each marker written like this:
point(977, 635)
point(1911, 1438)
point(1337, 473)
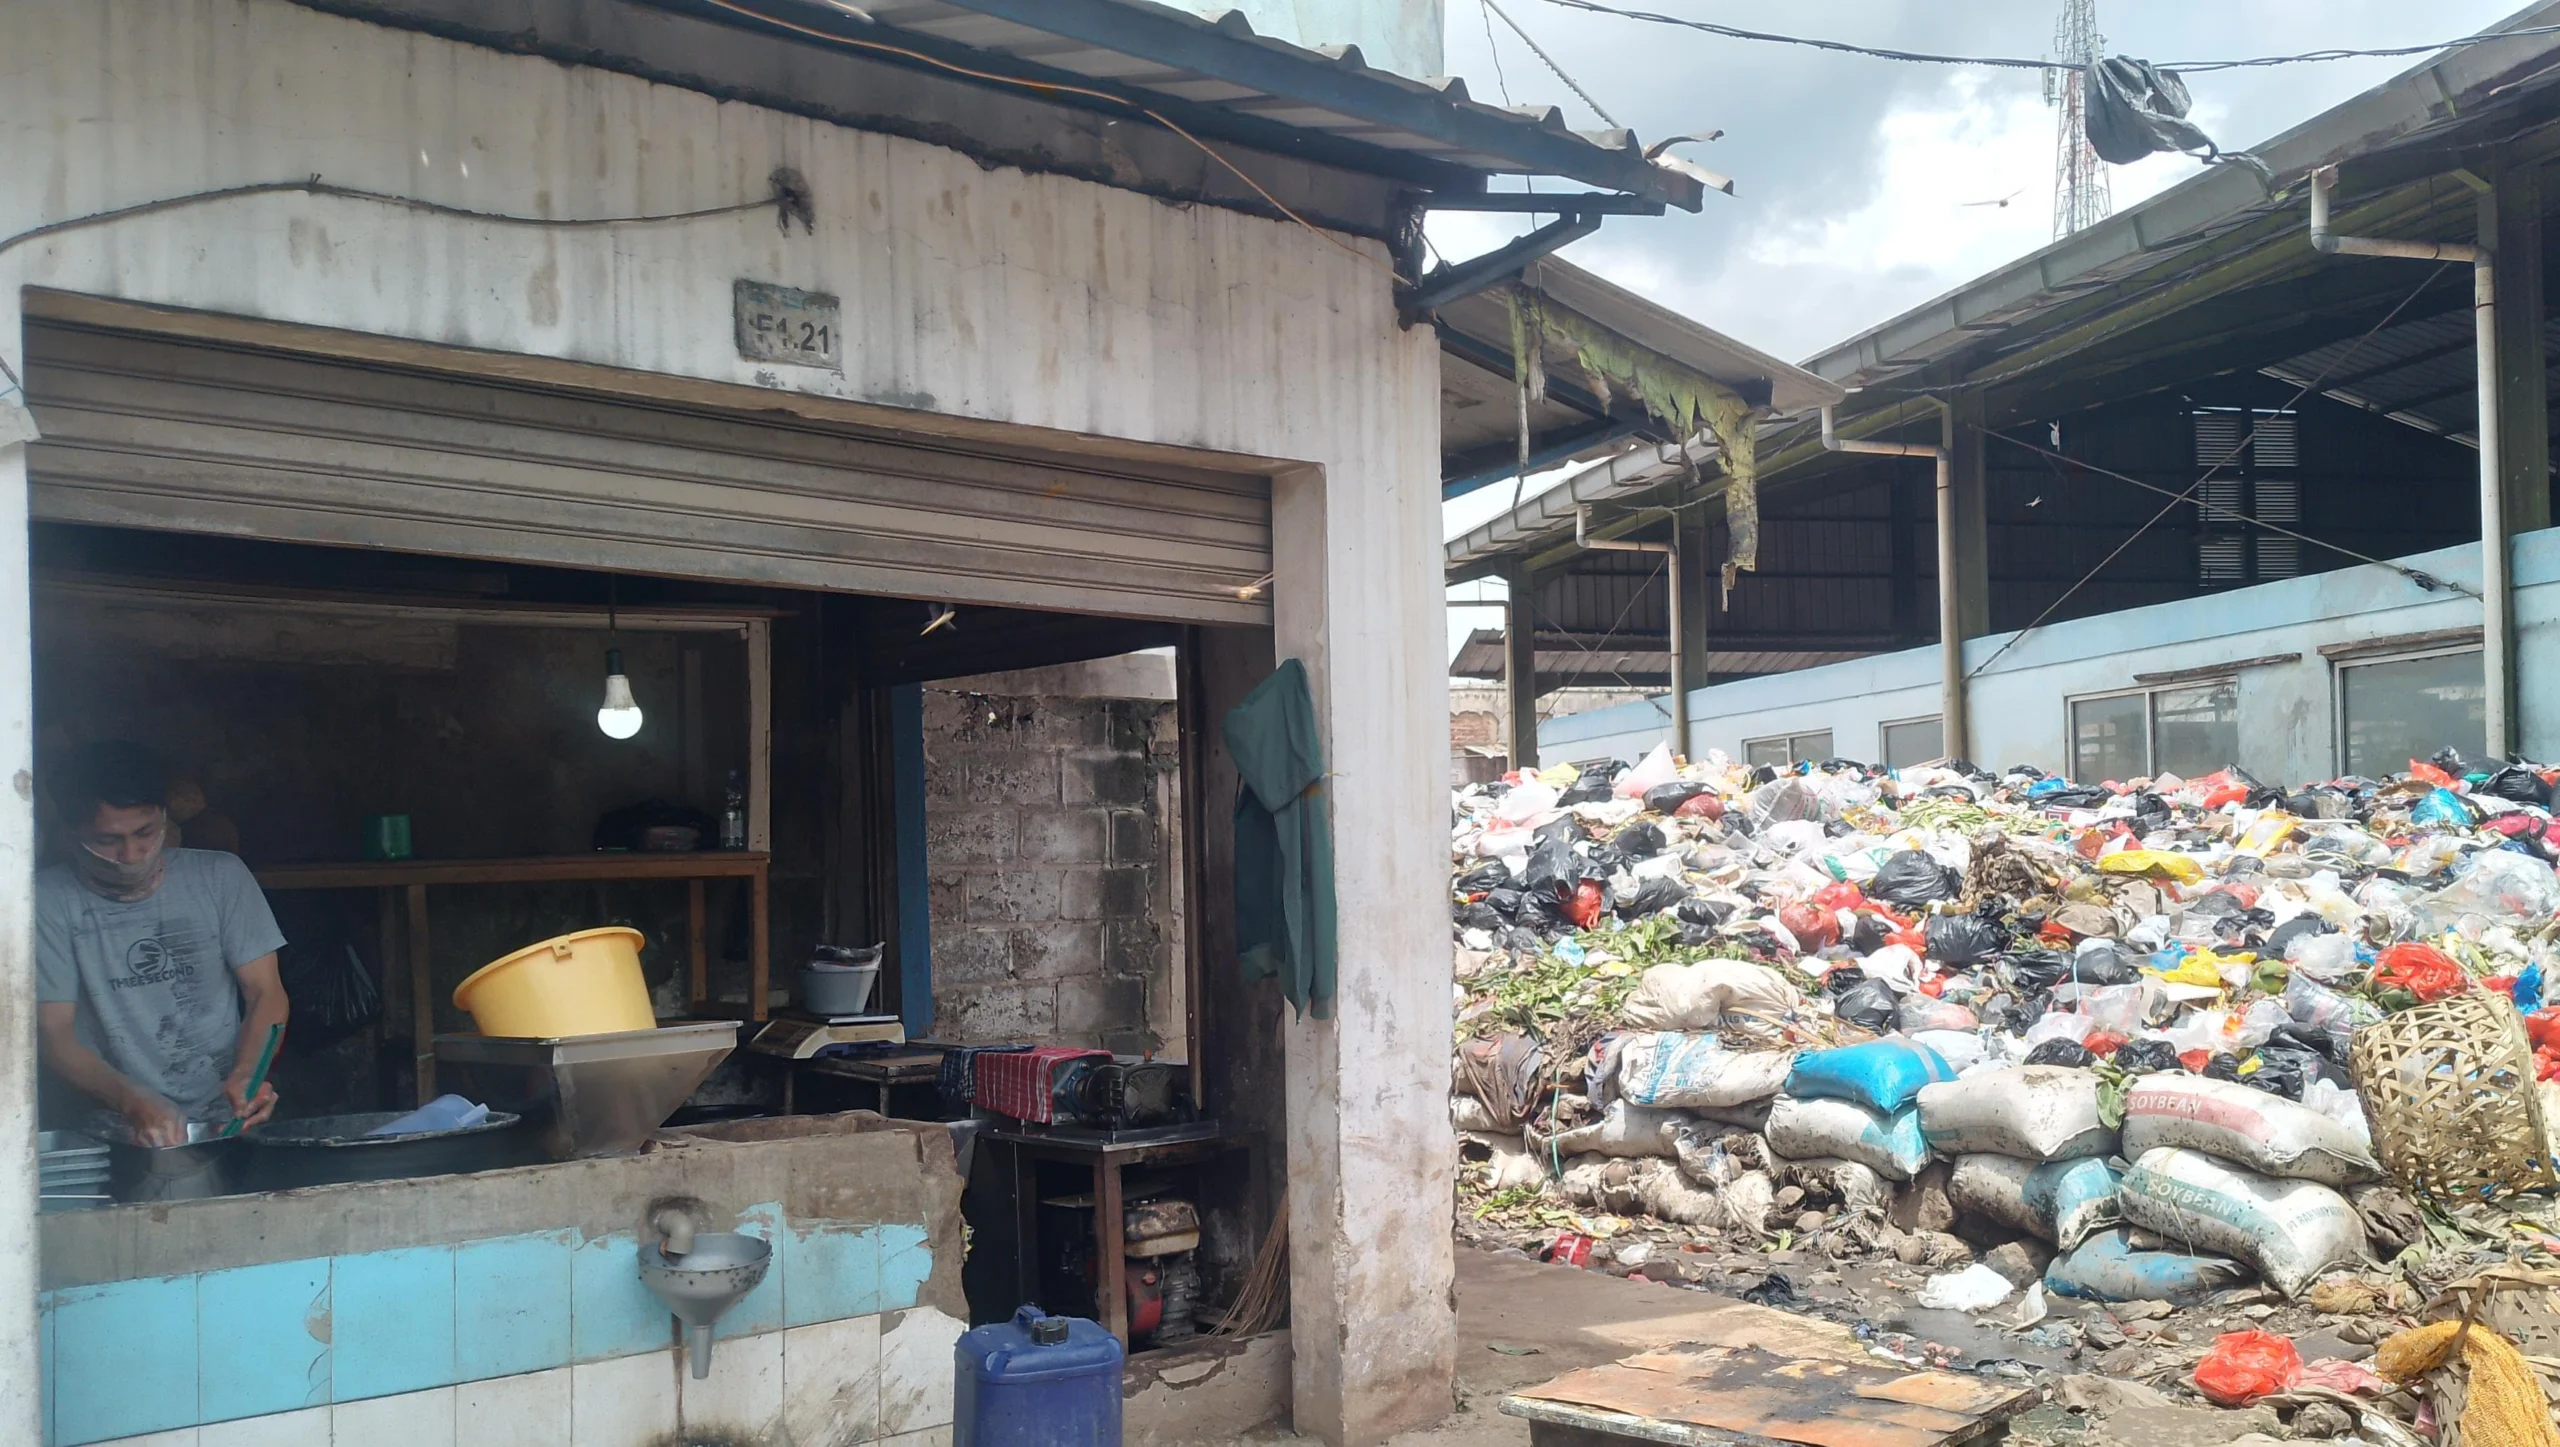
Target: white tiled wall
point(865, 1380)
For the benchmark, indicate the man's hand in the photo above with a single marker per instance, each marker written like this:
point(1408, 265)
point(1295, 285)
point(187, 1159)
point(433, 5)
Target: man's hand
point(155, 1121)
point(251, 1112)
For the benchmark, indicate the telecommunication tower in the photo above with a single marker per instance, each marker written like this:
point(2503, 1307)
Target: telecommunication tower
point(2080, 196)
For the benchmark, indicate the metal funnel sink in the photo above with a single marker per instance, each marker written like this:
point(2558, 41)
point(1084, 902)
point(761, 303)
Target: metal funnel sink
point(701, 1285)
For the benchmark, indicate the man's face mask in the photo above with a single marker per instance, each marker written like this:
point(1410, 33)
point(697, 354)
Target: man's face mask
point(122, 851)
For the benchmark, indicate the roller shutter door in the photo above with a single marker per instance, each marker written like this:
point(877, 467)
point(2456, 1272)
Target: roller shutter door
point(181, 435)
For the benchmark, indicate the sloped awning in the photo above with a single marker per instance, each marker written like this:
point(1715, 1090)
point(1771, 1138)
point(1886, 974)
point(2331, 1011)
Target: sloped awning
point(1221, 81)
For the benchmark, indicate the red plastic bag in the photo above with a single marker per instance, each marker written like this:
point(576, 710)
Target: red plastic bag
point(2246, 1365)
point(1584, 908)
point(2421, 769)
point(1701, 806)
point(1814, 927)
point(1839, 896)
point(2104, 1042)
point(2422, 970)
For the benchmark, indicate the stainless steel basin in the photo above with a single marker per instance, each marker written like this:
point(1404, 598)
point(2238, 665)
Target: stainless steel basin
point(589, 1095)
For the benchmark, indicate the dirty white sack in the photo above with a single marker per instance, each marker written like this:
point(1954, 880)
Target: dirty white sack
point(2294, 1232)
point(1889, 1145)
point(1697, 997)
point(2064, 1202)
point(2267, 1133)
point(1622, 1131)
point(2032, 1112)
point(1679, 1071)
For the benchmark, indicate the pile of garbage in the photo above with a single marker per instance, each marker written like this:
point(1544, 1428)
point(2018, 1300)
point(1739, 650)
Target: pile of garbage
point(2070, 1060)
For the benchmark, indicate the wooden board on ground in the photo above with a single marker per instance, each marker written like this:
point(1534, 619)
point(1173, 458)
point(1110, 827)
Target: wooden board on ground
point(1772, 1394)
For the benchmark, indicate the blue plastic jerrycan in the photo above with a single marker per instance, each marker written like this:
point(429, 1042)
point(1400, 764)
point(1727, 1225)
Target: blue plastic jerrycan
point(1037, 1381)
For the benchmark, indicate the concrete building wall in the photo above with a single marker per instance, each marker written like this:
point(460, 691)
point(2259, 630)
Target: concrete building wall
point(994, 295)
point(2020, 700)
point(1049, 833)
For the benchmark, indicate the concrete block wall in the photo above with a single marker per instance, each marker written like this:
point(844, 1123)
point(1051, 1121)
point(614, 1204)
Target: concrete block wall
point(1050, 841)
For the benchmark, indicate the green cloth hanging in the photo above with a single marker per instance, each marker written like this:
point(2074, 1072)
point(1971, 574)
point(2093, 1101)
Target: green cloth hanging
point(1284, 841)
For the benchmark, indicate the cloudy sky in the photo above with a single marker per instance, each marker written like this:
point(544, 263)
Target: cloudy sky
point(1853, 175)
point(1856, 178)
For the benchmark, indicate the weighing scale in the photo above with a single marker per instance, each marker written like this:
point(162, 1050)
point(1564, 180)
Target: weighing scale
point(798, 1035)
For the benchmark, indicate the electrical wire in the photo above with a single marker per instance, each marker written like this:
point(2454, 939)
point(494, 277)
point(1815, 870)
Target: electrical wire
point(2423, 580)
point(1540, 51)
point(2012, 62)
point(314, 186)
point(1501, 81)
point(1057, 88)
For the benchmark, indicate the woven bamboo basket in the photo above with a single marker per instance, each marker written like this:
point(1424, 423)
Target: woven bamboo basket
point(2449, 1091)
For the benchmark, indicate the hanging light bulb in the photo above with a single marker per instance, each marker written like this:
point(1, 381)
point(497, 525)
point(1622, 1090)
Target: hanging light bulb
point(619, 717)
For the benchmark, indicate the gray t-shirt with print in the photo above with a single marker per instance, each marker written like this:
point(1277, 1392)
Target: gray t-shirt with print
point(153, 978)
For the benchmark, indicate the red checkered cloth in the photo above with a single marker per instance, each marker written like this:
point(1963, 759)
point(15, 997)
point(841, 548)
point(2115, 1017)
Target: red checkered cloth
point(1020, 1085)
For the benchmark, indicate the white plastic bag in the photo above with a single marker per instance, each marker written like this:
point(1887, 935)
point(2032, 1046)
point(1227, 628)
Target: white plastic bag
point(2294, 1232)
point(1622, 1131)
point(1976, 1288)
point(2498, 886)
point(1653, 770)
point(2267, 1133)
point(2031, 1112)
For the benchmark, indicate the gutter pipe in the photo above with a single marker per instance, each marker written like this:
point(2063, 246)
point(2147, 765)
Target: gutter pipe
point(2497, 621)
point(1679, 664)
point(1953, 720)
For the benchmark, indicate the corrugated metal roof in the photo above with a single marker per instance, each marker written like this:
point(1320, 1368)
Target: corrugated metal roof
point(2419, 373)
point(1222, 80)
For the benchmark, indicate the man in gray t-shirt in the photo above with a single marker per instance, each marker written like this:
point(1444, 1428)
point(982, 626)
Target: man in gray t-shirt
point(156, 977)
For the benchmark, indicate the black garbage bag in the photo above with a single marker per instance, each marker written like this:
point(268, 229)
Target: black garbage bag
point(2453, 761)
point(2061, 1052)
point(2150, 812)
point(2284, 1072)
point(2106, 963)
point(2214, 904)
point(1663, 798)
point(2320, 803)
point(2332, 1046)
point(2147, 1057)
point(1522, 941)
point(1737, 824)
point(1640, 840)
point(1488, 876)
point(1504, 902)
point(1652, 897)
point(1695, 936)
point(2136, 108)
point(1910, 877)
point(1963, 939)
point(1589, 789)
point(2301, 926)
point(2037, 970)
point(1545, 913)
point(2086, 796)
point(1867, 1004)
point(2004, 1014)
point(2246, 925)
point(1703, 912)
point(2221, 1066)
point(1555, 868)
point(2520, 784)
point(1869, 932)
point(1477, 916)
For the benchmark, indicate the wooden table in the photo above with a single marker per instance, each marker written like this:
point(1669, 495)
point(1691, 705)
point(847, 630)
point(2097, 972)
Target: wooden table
point(406, 881)
point(884, 1074)
point(1174, 1146)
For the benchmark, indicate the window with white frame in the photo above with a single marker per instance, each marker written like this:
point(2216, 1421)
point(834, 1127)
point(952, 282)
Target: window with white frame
point(2392, 710)
point(1913, 741)
point(2186, 730)
point(1784, 750)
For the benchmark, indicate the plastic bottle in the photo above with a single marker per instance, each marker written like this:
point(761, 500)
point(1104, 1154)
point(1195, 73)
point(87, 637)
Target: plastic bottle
point(733, 813)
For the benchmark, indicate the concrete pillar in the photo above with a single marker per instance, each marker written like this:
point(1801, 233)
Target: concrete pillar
point(2511, 222)
point(21, 1385)
point(1700, 589)
point(1520, 666)
point(1357, 595)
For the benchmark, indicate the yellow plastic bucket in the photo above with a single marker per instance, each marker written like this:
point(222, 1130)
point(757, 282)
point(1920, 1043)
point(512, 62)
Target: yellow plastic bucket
point(588, 983)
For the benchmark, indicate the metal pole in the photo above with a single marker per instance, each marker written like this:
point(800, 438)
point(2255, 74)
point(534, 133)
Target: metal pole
point(1679, 655)
point(1956, 738)
point(2497, 601)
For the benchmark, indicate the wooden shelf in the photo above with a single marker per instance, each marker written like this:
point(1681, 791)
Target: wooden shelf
point(404, 884)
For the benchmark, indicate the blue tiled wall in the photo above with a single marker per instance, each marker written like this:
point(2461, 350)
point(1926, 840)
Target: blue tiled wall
point(129, 1357)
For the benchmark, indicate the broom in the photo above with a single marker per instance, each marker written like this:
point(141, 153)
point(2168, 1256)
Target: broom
point(1258, 1308)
